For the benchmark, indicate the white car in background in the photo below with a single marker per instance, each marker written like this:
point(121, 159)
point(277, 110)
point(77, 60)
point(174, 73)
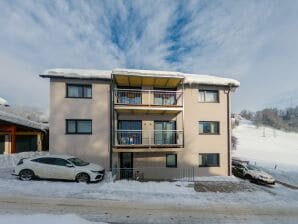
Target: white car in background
point(60, 167)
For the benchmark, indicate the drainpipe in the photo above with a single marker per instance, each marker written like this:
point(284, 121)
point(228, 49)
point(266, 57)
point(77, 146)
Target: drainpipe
point(229, 128)
point(111, 120)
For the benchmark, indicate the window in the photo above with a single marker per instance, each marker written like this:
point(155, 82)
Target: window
point(129, 132)
point(60, 162)
point(79, 91)
point(208, 160)
point(209, 96)
point(165, 97)
point(45, 160)
point(52, 161)
point(129, 95)
point(171, 160)
point(78, 126)
point(209, 127)
point(165, 132)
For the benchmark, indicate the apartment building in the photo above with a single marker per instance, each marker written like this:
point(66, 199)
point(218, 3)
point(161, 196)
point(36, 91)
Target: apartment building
point(140, 119)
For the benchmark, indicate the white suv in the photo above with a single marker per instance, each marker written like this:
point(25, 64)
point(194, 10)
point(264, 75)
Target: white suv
point(61, 167)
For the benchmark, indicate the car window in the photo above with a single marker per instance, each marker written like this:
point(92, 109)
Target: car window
point(78, 162)
point(60, 162)
point(251, 167)
point(45, 160)
point(52, 161)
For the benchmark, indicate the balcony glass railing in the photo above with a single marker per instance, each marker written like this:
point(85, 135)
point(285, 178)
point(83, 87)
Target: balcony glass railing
point(148, 97)
point(148, 138)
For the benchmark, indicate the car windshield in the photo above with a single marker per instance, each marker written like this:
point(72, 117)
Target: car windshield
point(78, 162)
point(251, 167)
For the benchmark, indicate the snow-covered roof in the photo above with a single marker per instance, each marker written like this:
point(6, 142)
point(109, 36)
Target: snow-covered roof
point(3, 102)
point(101, 74)
point(76, 73)
point(8, 117)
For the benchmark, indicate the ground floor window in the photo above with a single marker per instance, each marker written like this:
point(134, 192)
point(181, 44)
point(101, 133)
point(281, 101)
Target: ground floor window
point(171, 160)
point(78, 126)
point(208, 159)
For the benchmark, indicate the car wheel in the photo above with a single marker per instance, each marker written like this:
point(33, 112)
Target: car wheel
point(83, 178)
point(26, 175)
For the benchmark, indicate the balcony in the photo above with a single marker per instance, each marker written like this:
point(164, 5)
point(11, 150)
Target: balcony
point(143, 100)
point(148, 139)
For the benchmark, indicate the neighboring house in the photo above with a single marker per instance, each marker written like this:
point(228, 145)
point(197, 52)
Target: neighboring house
point(139, 118)
point(18, 134)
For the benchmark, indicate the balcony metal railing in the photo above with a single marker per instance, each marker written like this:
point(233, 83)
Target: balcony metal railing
point(148, 97)
point(148, 138)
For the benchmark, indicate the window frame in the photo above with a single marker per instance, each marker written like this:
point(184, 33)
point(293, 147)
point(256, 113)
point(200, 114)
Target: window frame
point(218, 128)
point(176, 162)
point(218, 160)
point(76, 127)
point(83, 92)
point(208, 90)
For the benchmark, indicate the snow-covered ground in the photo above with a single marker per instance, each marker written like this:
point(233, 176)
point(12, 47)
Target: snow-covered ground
point(44, 218)
point(151, 192)
point(274, 150)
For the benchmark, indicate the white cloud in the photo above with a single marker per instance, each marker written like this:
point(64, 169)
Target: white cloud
point(253, 41)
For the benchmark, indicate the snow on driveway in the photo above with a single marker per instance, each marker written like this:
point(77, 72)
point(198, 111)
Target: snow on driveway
point(44, 218)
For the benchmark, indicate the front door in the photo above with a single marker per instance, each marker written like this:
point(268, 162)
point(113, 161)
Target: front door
point(126, 165)
point(2, 144)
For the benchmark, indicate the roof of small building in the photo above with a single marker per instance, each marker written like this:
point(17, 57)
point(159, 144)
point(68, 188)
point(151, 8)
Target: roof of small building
point(18, 120)
point(107, 75)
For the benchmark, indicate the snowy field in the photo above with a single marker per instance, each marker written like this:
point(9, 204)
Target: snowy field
point(274, 150)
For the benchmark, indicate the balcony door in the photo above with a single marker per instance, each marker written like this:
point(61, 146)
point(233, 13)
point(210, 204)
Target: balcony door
point(129, 132)
point(165, 97)
point(129, 95)
point(164, 132)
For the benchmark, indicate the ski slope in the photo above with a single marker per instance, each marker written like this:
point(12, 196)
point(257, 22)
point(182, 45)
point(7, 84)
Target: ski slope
point(274, 150)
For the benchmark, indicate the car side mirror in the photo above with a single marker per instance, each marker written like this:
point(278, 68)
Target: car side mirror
point(69, 165)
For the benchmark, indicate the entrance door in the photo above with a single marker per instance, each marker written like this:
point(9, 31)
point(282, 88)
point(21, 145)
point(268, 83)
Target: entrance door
point(164, 132)
point(126, 165)
point(2, 144)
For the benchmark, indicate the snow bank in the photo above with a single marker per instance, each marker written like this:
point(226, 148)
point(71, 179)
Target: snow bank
point(101, 74)
point(44, 218)
point(10, 161)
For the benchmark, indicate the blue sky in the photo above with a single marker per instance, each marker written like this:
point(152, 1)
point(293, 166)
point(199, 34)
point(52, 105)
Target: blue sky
point(255, 42)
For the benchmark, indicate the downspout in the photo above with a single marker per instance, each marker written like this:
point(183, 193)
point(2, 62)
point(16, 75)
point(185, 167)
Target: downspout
point(229, 131)
point(111, 120)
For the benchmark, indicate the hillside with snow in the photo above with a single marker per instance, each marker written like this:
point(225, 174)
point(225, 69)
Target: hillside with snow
point(274, 150)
